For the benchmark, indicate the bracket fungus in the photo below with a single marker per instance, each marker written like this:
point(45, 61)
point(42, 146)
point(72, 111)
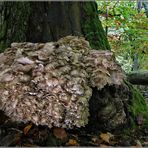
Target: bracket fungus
point(51, 83)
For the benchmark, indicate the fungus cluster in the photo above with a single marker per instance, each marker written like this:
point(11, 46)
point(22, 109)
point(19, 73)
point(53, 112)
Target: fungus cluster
point(51, 83)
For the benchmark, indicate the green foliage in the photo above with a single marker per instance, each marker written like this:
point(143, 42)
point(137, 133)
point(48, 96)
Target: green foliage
point(126, 63)
point(127, 32)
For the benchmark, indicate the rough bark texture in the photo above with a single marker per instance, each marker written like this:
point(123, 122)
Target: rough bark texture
point(53, 20)
point(49, 21)
point(13, 22)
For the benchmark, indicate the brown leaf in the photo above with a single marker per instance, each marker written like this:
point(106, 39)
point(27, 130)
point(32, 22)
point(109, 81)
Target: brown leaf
point(27, 129)
point(60, 133)
point(72, 142)
point(106, 136)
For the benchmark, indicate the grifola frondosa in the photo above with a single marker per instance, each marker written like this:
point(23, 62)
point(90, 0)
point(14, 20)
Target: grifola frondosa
point(50, 84)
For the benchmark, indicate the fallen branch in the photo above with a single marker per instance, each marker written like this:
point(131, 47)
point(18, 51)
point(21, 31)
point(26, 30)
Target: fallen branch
point(138, 77)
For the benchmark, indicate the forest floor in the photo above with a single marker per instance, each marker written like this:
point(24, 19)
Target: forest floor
point(30, 135)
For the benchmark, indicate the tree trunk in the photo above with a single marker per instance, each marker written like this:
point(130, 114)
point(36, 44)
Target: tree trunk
point(49, 21)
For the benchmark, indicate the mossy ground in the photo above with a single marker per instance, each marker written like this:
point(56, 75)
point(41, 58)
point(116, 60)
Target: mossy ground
point(13, 134)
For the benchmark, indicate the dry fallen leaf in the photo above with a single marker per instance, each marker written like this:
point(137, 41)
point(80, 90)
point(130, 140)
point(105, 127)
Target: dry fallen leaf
point(72, 142)
point(106, 136)
point(59, 133)
point(27, 128)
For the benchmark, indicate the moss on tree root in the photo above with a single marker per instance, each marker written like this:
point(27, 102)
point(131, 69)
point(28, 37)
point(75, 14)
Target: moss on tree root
point(137, 106)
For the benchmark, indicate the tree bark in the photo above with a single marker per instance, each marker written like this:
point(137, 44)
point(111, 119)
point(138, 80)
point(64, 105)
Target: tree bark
point(49, 21)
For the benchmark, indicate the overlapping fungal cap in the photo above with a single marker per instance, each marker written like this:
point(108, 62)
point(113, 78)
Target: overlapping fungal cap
point(50, 84)
point(103, 69)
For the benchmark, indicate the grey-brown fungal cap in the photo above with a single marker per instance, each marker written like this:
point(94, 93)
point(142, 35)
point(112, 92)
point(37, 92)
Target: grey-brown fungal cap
point(50, 84)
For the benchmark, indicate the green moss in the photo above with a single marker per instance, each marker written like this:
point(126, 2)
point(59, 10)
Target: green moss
point(137, 105)
point(92, 27)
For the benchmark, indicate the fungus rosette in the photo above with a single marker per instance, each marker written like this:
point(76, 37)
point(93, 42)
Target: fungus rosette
point(51, 84)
